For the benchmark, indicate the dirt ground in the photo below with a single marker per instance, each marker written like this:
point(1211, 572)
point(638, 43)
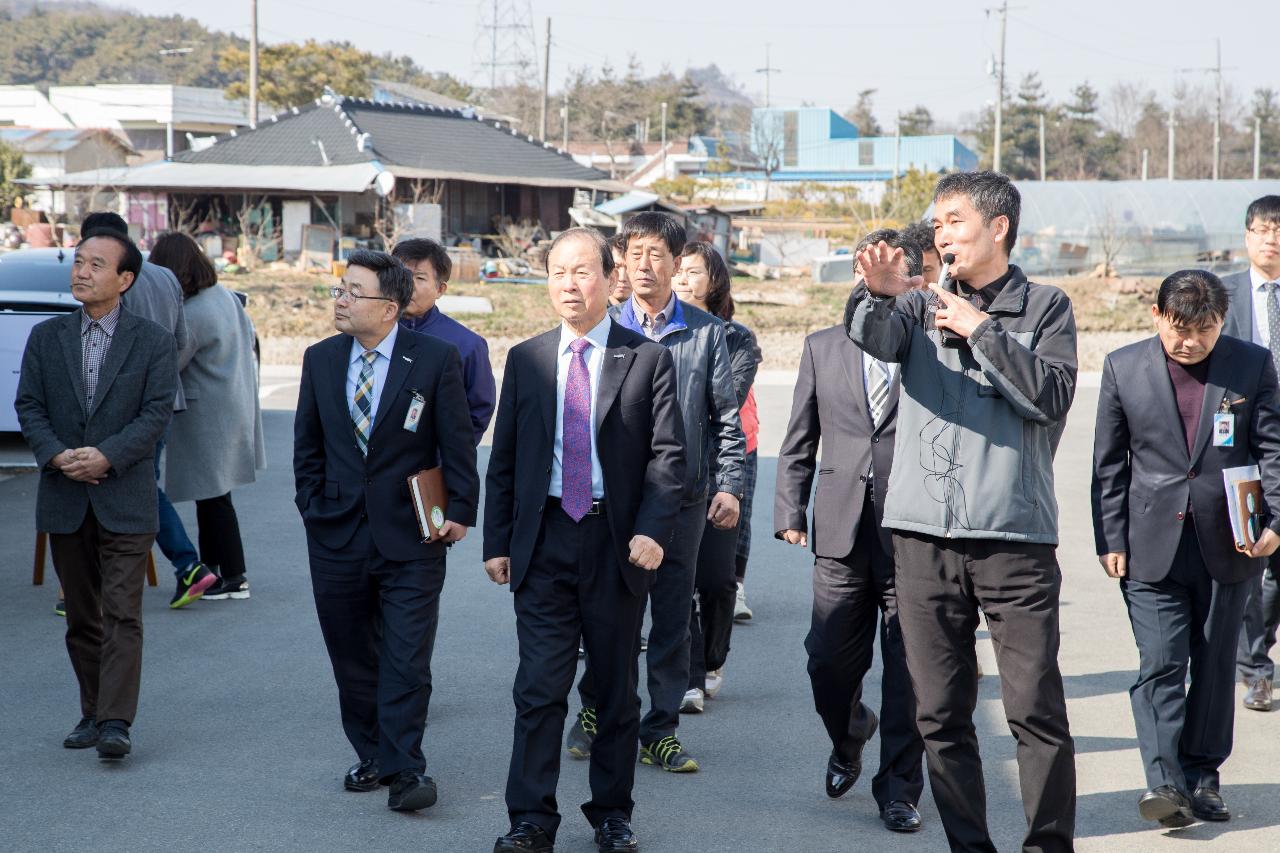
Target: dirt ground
point(291, 310)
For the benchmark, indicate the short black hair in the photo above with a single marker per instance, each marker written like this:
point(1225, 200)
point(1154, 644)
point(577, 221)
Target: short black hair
point(896, 240)
point(417, 249)
point(991, 194)
point(719, 299)
point(104, 219)
point(651, 223)
point(1265, 209)
point(1193, 298)
point(921, 233)
point(618, 243)
point(592, 236)
point(130, 258)
point(394, 279)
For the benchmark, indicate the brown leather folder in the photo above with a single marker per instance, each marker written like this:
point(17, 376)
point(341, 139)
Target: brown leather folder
point(430, 500)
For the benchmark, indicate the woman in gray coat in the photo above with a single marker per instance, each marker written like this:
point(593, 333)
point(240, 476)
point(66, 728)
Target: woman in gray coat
point(216, 445)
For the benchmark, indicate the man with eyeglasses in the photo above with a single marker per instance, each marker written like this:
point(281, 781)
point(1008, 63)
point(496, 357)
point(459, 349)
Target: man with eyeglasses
point(1255, 316)
point(377, 404)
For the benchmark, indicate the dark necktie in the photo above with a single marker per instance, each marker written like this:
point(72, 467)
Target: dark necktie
point(575, 461)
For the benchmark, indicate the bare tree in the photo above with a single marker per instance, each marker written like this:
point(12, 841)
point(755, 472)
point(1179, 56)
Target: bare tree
point(1112, 240)
point(394, 213)
point(768, 140)
point(258, 228)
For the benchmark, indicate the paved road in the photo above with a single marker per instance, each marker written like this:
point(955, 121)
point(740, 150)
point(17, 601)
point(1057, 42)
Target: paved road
point(238, 746)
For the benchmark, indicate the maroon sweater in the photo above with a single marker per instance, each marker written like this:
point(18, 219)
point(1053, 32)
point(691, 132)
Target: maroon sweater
point(1188, 387)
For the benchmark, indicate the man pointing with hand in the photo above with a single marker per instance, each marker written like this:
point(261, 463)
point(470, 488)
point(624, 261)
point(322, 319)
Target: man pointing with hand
point(988, 370)
point(579, 532)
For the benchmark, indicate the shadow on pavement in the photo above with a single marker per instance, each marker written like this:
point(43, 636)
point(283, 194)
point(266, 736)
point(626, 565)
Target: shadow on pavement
point(1116, 812)
point(1098, 683)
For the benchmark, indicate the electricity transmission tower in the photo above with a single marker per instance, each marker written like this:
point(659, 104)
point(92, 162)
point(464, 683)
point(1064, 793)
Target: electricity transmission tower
point(505, 44)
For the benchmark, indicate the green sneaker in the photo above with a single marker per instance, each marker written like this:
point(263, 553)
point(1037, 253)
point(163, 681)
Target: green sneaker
point(191, 585)
point(60, 607)
point(583, 734)
point(668, 754)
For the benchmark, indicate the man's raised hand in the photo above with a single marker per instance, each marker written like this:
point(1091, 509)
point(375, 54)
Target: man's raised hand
point(882, 269)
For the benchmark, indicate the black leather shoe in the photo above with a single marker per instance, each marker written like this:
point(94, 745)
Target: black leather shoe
point(83, 736)
point(1207, 804)
point(525, 837)
point(363, 776)
point(113, 740)
point(1163, 803)
point(901, 816)
point(614, 835)
point(841, 774)
point(411, 791)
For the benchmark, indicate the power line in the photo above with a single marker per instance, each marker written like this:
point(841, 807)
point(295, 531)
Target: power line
point(768, 71)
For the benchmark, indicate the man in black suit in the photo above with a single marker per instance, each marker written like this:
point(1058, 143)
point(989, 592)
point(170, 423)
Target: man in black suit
point(94, 397)
point(579, 533)
point(1174, 412)
point(848, 400)
point(1254, 315)
point(377, 404)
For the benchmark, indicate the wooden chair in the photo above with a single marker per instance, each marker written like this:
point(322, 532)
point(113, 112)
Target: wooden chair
point(42, 543)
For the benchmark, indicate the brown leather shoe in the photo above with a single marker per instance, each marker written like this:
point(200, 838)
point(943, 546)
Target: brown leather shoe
point(1258, 695)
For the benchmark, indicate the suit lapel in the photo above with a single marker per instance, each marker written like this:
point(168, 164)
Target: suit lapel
point(339, 362)
point(851, 363)
point(402, 357)
point(1162, 387)
point(617, 360)
point(891, 402)
point(73, 352)
point(545, 356)
point(1215, 387)
point(121, 343)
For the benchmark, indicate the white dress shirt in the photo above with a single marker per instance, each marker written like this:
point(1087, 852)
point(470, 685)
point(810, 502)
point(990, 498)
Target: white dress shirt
point(869, 364)
point(380, 366)
point(594, 356)
point(1260, 296)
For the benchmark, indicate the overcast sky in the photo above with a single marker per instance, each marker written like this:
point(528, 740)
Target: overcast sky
point(932, 53)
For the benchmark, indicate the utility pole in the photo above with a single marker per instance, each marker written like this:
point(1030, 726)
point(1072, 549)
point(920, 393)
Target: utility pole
point(897, 152)
point(1216, 70)
point(1257, 147)
point(1042, 169)
point(1003, 10)
point(664, 139)
point(253, 64)
point(546, 81)
point(1171, 143)
point(768, 71)
point(1145, 153)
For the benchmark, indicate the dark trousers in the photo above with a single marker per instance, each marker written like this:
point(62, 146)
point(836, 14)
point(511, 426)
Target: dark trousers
point(574, 588)
point(715, 593)
point(379, 618)
point(1187, 620)
point(667, 659)
point(749, 471)
point(220, 543)
point(941, 584)
point(1258, 632)
point(851, 596)
point(102, 575)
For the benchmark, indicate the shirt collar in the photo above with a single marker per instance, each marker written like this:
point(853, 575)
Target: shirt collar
point(1257, 279)
point(384, 348)
point(667, 312)
point(598, 336)
point(108, 323)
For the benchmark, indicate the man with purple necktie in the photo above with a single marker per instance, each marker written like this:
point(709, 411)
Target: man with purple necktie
point(579, 534)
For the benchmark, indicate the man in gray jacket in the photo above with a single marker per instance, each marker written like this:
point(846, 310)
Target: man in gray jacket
point(988, 374)
point(714, 451)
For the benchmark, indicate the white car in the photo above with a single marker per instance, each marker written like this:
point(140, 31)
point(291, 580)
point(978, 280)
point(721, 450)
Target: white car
point(35, 284)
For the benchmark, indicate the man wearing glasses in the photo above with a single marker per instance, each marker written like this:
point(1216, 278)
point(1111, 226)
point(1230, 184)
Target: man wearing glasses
point(1255, 316)
point(377, 404)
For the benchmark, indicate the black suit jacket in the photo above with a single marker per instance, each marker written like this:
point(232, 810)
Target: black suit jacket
point(830, 402)
point(337, 487)
point(1143, 477)
point(132, 407)
point(639, 440)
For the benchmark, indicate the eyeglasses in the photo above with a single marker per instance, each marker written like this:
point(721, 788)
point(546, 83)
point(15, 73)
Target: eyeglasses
point(339, 294)
point(1272, 232)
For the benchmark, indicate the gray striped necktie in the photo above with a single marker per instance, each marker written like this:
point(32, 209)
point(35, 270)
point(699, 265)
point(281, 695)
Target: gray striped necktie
point(1273, 322)
point(877, 390)
point(362, 411)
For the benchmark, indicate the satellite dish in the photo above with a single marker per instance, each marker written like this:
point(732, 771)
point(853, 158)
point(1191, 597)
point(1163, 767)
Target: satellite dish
point(384, 184)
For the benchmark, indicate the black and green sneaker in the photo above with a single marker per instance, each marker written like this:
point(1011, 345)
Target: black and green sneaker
point(60, 607)
point(668, 754)
point(192, 584)
point(583, 734)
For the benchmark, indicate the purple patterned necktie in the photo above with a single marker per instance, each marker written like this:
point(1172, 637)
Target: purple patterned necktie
point(575, 461)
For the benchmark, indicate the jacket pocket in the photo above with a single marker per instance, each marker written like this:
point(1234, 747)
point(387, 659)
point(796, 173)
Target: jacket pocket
point(331, 491)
